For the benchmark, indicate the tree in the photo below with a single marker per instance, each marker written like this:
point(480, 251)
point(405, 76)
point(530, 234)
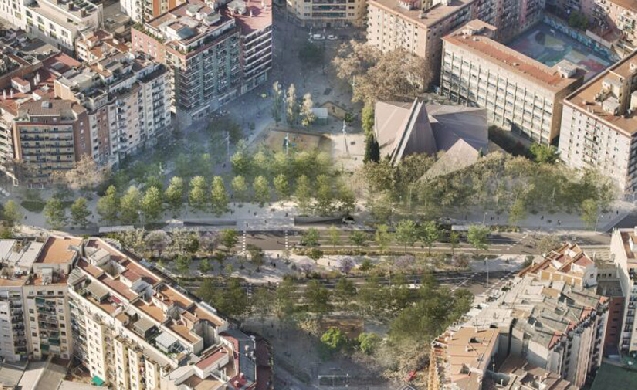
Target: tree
point(590, 213)
point(175, 194)
point(151, 204)
point(182, 264)
point(324, 194)
point(218, 196)
point(311, 54)
point(229, 238)
point(84, 176)
point(292, 107)
point(344, 292)
point(130, 205)
point(197, 197)
point(578, 20)
point(108, 205)
point(239, 188)
point(367, 119)
point(262, 302)
point(358, 238)
point(383, 237)
point(406, 233)
point(315, 254)
point(281, 186)
point(303, 192)
point(157, 240)
point(478, 236)
point(454, 240)
point(517, 212)
point(317, 297)
point(548, 242)
point(285, 299)
point(261, 189)
point(277, 102)
point(333, 339)
point(241, 160)
point(429, 233)
point(333, 236)
point(307, 115)
point(544, 153)
point(55, 213)
point(11, 213)
point(204, 265)
point(80, 213)
point(372, 149)
point(310, 238)
point(368, 342)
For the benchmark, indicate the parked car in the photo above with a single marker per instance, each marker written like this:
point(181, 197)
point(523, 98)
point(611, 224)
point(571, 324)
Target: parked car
point(332, 37)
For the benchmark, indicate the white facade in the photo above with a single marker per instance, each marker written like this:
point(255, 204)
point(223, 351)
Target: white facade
point(13, 12)
point(60, 22)
point(623, 249)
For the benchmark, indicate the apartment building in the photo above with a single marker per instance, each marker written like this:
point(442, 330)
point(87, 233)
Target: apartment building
point(60, 22)
point(22, 78)
point(134, 330)
point(49, 136)
point(256, 42)
point(327, 14)
point(599, 123)
point(34, 312)
point(416, 28)
point(200, 45)
point(95, 45)
point(144, 10)
point(549, 324)
point(608, 16)
point(519, 93)
point(419, 25)
point(127, 99)
point(623, 247)
point(12, 12)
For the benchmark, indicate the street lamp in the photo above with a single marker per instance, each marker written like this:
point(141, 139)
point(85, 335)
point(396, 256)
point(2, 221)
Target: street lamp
point(486, 263)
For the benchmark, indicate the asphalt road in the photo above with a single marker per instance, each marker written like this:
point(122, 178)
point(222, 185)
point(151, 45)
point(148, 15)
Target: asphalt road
point(500, 243)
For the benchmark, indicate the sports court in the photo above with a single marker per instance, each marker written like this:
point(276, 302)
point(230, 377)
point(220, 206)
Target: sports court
point(550, 46)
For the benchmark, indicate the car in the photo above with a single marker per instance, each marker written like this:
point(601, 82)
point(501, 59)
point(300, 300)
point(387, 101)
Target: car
point(332, 37)
point(318, 37)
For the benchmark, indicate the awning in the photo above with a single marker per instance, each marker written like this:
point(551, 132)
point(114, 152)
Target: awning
point(97, 381)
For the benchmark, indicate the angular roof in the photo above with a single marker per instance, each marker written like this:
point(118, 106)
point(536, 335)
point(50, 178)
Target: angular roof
point(412, 128)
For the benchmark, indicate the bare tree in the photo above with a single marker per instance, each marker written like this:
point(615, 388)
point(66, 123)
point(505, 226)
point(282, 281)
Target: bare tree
point(307, 115)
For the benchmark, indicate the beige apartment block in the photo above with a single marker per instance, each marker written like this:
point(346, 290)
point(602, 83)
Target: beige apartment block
point(623, 249)
point(614, 18)
point(60, 22)
point(519, 93)
point(327, 13)
point(599, 125)
point(395, 24)
point(33, 298)
point(49, 136)
point(545, 326)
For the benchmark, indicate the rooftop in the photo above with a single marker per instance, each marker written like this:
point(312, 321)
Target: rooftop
point(59, 250)
point(258, 16)
point(473, 37)
point(608, 96)
point(431, 17)
point(465, 355)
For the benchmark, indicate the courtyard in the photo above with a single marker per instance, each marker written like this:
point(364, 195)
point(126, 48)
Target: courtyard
point(549, 46)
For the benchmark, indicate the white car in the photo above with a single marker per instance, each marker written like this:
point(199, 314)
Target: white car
point(332, 37)
point(318, 37)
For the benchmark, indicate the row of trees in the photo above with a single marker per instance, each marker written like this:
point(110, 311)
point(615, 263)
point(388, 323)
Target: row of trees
point(288, 104)
point(497, 182)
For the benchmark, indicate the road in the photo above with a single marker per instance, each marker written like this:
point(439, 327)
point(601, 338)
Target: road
point(499, 243)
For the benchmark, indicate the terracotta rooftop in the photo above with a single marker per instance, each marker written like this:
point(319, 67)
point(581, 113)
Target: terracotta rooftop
point(258, 16)
point(627, 4)
point(156, 312)
point(218, 354)
point(432, 17)
point(118, 287)
point(184, 332)
point(58, 250)
point(511, 60)
point(174, 296)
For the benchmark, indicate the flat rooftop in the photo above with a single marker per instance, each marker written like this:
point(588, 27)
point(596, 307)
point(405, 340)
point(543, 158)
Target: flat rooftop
point(58, 250)
point(506, 58)
point(584, 99)
point(431, 17)
point(257, 17)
